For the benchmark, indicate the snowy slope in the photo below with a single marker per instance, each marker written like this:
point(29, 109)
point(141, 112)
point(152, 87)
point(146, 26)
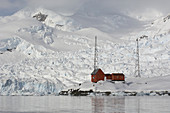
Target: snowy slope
point(41, 58)
point(131, 85)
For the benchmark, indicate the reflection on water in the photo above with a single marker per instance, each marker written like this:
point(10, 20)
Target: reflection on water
point(112, 104)
point(98, 104)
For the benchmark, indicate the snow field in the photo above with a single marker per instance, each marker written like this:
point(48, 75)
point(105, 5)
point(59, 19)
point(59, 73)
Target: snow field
point(41, 58)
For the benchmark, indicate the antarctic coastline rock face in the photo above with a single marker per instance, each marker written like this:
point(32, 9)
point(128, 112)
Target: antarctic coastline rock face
point(40, 17)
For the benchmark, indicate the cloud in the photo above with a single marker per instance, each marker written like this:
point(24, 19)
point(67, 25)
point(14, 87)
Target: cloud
point(7, 4)
point(89, 5)
point(8, 7)
point(56, 5)
point(131, 5)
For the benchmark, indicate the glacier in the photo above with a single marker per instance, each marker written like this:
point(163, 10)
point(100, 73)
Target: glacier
point(42, 58)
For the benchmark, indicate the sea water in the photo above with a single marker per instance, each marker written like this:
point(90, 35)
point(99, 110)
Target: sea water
point(84, 104)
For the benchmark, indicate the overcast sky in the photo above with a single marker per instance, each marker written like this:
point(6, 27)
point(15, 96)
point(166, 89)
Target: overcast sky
point(8, 7)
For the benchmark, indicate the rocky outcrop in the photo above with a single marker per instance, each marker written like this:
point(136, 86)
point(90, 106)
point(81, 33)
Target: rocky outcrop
point(40, 16)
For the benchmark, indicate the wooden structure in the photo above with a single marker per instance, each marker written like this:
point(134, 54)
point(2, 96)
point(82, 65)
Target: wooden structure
point(118, 77)
point(97, 75)
point(108, 76)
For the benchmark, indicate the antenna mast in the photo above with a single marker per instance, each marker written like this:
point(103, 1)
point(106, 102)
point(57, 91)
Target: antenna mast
point(137, 66)
point(95, 54)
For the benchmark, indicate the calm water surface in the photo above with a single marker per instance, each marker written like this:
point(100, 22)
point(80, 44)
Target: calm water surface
point(68, 104)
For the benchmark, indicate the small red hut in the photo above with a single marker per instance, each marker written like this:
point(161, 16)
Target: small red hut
point(97, 75)
point(118, 77)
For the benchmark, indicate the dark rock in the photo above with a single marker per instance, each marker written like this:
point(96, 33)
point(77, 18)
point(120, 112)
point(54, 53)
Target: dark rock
point(40, 17)
point(107, 93)
point(10, 50)
point(8, 83)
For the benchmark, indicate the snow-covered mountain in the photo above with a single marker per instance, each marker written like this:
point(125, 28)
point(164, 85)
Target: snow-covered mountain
point(43, 57)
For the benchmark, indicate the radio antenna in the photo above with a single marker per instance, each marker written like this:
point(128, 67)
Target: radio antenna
point(95, 54)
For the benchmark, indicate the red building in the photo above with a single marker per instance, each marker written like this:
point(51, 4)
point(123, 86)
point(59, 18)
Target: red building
point(108, 76)
point(97, 75)
point(118, 77)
